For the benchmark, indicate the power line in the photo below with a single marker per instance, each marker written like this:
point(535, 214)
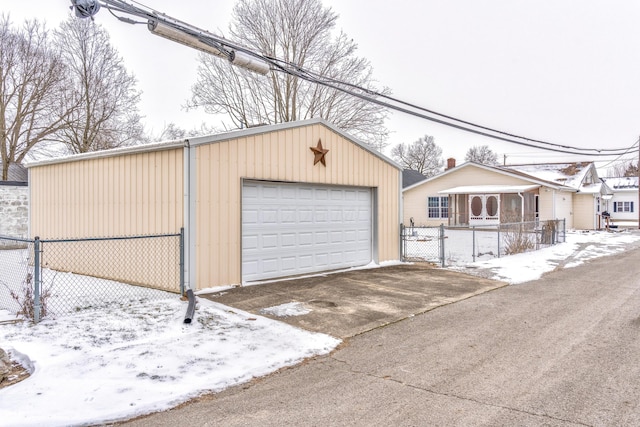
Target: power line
point(636, 144)
point(249, 58)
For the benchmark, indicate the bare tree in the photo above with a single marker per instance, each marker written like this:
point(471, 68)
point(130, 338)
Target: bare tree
point(32, 94)
point(107, 113)
point(422, 155)
point(623, 169)
point(481, 154)
point(299, 32)
point(172, 131)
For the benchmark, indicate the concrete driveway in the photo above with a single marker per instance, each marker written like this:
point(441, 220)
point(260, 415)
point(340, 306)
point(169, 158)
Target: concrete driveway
point(349, 303)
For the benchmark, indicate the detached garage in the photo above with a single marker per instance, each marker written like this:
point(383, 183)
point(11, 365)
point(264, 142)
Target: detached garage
point(256, 204)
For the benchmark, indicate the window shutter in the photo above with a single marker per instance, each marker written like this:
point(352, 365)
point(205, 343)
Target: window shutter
point(615, 206)
point(631, 207)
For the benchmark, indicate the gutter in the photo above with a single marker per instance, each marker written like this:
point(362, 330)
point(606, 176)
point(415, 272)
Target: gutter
point(189, 214)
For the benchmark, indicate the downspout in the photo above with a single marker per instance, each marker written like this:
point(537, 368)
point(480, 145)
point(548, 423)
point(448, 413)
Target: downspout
point(29, 205)
point(521, 207)
point(553, 204)
point(400, 213)
point(186, 213)
point(189, 227)
point(596, 204)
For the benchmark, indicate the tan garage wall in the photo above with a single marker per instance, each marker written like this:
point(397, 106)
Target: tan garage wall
point(281, 155)
point(133, 194)
point(125, 195)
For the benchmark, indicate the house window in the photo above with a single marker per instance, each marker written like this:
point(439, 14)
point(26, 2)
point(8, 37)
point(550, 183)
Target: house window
point(623, 206)
point(438, 207)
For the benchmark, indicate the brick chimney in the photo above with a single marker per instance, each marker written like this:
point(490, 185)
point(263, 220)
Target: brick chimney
point(451, 163)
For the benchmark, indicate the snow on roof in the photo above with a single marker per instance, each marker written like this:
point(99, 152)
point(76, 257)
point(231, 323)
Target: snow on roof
point(567, 174)
point(484, 189)
point(627, 183)
point(592, 188)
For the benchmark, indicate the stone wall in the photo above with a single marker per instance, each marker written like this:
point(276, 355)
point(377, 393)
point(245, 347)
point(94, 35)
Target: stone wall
point(14, 210)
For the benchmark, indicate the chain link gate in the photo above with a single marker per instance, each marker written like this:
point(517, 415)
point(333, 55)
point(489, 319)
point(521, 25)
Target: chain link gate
point(422, 244)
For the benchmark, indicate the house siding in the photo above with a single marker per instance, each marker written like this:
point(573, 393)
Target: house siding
point(584, 212)
point(281, 156)
point(415, 199)
point(625, 196)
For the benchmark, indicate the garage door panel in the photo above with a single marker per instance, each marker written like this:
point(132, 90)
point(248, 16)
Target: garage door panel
point(301, 228)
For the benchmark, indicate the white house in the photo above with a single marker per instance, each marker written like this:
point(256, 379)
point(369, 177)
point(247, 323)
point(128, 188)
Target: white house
point(624, 204)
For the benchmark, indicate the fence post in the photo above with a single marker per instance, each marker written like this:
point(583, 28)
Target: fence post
point(403, 242)
point(442, 252)
point(473, 244)
point(36, 280)
point(182, 261)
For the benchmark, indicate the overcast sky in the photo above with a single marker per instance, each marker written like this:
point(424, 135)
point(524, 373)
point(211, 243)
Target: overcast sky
point(564, 71)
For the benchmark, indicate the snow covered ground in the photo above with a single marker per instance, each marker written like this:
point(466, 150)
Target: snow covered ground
point(579, 248)
point(128, 359)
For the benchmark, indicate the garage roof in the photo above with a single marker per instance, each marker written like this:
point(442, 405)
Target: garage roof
point(211, 139)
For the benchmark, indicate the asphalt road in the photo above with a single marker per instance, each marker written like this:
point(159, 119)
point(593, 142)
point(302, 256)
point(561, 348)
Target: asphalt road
point(560, 351)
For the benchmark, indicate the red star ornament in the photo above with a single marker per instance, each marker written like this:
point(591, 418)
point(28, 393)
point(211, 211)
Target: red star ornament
point(319, 154)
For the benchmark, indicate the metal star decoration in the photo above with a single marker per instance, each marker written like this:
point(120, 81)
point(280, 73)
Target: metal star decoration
point(319, 154)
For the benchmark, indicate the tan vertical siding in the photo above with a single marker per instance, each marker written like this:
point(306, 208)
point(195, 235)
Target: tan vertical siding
point(280, 156)
point(127, 195)
point(114, 196)
point(545, 205)
point(584, 211)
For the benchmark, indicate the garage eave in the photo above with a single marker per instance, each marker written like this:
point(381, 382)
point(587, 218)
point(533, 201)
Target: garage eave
point(253, 131)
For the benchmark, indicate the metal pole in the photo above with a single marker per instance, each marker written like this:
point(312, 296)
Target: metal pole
point(404, 242)
point(473, 233)
point(36, 280)
point(182, 261)
point(442, 244)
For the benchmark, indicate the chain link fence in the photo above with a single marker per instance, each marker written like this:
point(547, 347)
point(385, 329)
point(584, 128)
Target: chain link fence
point(40, 278)
point(453, 245)
point(423, 244)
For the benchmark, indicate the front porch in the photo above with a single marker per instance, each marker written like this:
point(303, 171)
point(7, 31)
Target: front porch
point(491, 205)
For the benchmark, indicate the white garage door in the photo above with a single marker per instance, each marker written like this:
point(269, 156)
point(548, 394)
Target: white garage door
point(290, 229)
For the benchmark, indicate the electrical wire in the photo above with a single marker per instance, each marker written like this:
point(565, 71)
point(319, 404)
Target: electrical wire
point(356, 91)
point(617, 159)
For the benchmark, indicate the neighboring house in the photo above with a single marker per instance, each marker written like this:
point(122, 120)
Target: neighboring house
point(587, 204)
point(474, 194)
point(14, 202)
point(623, 206)
point(256, 204)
